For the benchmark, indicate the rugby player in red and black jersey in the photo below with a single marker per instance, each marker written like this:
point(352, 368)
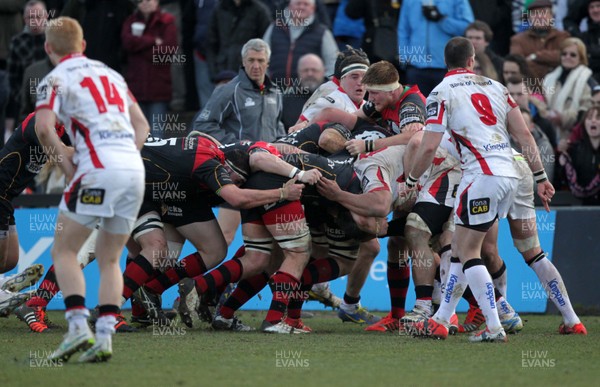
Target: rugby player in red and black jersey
point(185, 177)
point(262, 226)
point(21, 159)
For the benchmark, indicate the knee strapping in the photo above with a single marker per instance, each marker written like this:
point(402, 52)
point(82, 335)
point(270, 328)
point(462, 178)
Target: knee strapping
point(145, 224)
point(263, 245)
point(526, 244)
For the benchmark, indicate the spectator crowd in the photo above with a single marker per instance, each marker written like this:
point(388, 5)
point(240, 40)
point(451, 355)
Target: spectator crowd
point(181, 56)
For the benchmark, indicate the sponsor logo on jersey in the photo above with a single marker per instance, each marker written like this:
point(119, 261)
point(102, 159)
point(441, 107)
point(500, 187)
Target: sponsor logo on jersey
point(496, 147)
point(408, 107)
point(364, 182)
point(92, 196)
point(432, 109)
point(249, 102)
point(328, 98)
point(479, 206)
point(174, 211)
point(204, 114)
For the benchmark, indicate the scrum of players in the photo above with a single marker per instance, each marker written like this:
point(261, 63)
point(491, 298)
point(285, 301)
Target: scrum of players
point(314, 204)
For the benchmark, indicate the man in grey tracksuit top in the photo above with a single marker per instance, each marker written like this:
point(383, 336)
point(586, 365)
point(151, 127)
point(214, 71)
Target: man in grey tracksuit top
point(249, 107)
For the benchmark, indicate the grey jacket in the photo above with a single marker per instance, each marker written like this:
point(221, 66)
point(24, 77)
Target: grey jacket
point(238, 111)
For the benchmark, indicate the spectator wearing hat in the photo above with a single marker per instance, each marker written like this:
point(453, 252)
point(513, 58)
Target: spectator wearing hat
point(540, 44)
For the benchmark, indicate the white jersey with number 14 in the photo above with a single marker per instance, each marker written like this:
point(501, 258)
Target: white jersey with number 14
point(92, 101)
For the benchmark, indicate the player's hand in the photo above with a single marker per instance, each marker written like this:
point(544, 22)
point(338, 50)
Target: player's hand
point(298, 126)
point(292, 191)
point(68, 169)
point(329, 189)
point(355, 147)
point(545, 192)
point(310, 177)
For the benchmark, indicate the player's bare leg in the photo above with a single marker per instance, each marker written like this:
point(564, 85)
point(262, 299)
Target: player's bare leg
point(229, 221)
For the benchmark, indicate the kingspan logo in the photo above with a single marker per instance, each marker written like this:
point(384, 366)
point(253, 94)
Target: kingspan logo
point(553, 285)
point(489, 294)
point(450, 287)
point(496, 147)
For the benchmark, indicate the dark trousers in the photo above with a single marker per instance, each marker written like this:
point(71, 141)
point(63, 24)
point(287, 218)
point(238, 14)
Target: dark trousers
point(427, 79)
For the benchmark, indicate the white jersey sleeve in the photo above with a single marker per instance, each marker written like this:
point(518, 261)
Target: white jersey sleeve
point(336, 99)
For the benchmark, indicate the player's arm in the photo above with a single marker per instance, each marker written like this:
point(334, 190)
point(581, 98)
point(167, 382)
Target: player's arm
point(267, 162)
point(337, 115)
point(429, 143)
point(249, 198)
point(371, 204)
point(45, 121)
point(518, 129)
point(140, 125)
point(287, 149)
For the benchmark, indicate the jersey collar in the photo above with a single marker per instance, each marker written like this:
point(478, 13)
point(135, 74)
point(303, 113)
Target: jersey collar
point(458, 71)
point(73, 55)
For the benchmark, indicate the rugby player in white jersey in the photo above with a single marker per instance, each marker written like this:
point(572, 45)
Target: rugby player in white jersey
point(479, 114)
point(105, 176)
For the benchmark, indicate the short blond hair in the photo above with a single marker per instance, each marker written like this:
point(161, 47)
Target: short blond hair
point(581, 49)
point(65, 36)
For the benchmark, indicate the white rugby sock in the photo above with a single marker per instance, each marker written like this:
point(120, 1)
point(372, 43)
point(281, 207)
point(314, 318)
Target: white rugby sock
point(105, 326)
point(454, 289)
point(482, 287)
point(555, 288)
point(77, 319)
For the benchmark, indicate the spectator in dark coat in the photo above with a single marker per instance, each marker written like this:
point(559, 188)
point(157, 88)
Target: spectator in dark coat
point(196, 17)
point(232, 24)
point(149, 58)
point(295, 34)
point(25, 48)
point(387, 17)
point(101, 21)
point(278, 6)
point(591, 37)
point(311, 73)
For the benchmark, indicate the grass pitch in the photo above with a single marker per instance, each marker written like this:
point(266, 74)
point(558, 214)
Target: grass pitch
point(336, 354)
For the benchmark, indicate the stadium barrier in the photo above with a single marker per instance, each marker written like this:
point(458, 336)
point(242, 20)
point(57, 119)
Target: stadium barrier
point(567, 235)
